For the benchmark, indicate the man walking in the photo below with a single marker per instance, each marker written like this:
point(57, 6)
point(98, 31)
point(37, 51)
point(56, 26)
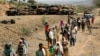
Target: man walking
point(21, 49)
point(72, 39)
point(47, 32)
point(83, 24)
point(40, 52)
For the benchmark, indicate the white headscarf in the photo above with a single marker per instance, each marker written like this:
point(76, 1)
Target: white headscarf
point(60, 46)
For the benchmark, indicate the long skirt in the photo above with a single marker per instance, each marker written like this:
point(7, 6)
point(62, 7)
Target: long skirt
point(66, 53)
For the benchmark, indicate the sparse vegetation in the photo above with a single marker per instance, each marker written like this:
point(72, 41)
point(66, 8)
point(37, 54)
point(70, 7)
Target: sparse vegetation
point(12, 2)
point(43, 20)
point(84, 8)
point(97, 3)
point(26, 31)
point(18, 4)
point(31, 2)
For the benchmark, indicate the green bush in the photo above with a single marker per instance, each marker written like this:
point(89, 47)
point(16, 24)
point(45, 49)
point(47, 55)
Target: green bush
point(84, 8)
point(26, 31)
point(31, 2)
point(96, 3)
point(43, 20)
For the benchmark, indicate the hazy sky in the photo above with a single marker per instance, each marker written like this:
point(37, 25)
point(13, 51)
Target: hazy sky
point(65, 1)
point(58, 0)
point(79, 2)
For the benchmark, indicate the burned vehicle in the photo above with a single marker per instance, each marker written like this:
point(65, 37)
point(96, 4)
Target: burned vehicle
point(12, 11)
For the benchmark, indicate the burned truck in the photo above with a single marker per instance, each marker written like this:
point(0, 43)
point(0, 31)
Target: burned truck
point(32, 10)
point(23, 11)
point(64, 10)
point(12, 11)
point(53, 9)
point(41, 10)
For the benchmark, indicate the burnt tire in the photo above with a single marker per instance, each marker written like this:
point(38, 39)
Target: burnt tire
point(12, 21)
point(4, 22)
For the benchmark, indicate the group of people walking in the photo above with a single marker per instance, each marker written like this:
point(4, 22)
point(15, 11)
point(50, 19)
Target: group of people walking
point(20, 51)
point(59, 38)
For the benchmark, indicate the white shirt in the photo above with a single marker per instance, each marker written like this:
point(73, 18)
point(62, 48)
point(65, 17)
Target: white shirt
point(74, 33)
point(24, 49)
point(76, 28)
point(44, 52)
point(51, 34)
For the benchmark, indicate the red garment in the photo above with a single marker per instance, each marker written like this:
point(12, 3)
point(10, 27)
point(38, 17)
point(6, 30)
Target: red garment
point(46, 28)
point(61, 23)
point(92, 21)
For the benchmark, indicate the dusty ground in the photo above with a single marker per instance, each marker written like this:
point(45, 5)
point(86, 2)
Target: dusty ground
point(86, 45)
point(13, 32)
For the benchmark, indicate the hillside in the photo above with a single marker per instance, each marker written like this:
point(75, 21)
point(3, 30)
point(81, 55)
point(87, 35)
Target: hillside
point(86, 45)
point(96, 11)
point(4, 8)
point(12, 32)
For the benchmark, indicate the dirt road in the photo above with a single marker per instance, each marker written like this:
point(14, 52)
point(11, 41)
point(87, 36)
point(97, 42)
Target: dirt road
point(87, 44)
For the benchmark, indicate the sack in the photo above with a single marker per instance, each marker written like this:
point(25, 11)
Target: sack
point(47, 51)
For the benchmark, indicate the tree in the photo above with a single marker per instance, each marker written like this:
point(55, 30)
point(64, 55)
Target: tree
point(2, 1)
point(97, 2)
point(31, 2)
point(11, 1)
